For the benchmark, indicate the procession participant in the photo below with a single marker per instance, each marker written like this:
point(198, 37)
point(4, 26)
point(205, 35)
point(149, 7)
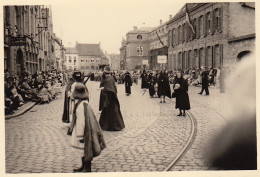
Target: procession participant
point(128, 83)
point(205, 81)
point(87, 137)
point(181, 93)
point(164, 86)
point(66, 108)
point(151, 84)
point(144, 79)
point(111, 118)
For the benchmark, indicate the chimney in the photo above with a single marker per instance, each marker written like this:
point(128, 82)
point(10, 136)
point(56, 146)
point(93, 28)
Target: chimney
point(135, 28)
point(160, 22)
point(170, 17)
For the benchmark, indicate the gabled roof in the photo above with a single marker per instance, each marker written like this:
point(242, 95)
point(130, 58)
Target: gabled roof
point(71, 50)
point(142, 30)
point(88, 49)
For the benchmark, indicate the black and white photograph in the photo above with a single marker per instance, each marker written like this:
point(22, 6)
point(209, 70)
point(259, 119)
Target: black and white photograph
point(118, 87)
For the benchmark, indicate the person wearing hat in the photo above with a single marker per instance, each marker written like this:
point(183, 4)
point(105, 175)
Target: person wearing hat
point(111, 118)
point(69, 100)
point(87, 138)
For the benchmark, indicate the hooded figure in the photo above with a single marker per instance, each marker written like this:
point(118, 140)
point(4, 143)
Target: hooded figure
point(87, 135)
point(128, 83)
point(111, 118)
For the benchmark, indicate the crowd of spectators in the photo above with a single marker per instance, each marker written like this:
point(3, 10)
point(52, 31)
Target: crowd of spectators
point(40, 87)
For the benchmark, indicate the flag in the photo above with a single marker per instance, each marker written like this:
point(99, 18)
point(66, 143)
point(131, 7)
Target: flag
point(159, 38)
point(188, 20)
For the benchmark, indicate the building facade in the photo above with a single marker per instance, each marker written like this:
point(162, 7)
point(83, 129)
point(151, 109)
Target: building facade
point(71, 62)
point(222, 31)
point(115, 61)
point(158, 45)
point(28, 42)
point(59, 53)
point(137, 48)
point(123, 54)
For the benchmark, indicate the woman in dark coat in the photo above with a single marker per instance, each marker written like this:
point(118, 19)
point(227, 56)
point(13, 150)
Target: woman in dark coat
point(144, 80)
point(181, 93)
point(111, 118)
point(151, 83)
point(128, 83)
point(163, 86)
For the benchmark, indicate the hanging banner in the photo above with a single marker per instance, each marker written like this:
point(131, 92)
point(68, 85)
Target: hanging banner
point(18, 41)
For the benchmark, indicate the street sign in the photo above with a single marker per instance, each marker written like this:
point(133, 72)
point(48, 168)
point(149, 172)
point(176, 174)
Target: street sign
point(18, 41)
point(161, 59)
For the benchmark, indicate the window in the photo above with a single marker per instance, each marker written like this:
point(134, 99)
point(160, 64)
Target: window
point(140, 51)
point(183, 32)
point(169, 38)
point(69, 60)
point(82, 67)
point(173, 37)
point(179, 34)
point(208, 23)
point(75, 58)
point(217, 20)
point(201, 26)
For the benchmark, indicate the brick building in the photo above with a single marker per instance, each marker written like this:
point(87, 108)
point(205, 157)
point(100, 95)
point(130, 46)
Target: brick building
point(158, 47)
point(28, 42)
point(137, 48)
point(222, 33)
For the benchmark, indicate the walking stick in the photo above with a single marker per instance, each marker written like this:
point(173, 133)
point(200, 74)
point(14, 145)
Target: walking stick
point(144, 92)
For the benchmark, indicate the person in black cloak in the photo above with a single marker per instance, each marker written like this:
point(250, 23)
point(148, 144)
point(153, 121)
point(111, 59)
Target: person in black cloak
point(181, 93)
point(128, 83)
point(66, 108)
point(205, 81)
point(163, 86)
point(111, 118)
point(87, 138)
point(144, 80)
point(151, 83)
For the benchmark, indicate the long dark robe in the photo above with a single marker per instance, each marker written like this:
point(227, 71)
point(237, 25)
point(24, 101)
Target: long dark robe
point(128, 83)
point(66, 108)
point(182, 97)
point(164, 86)
point(151, 83)
point(111, 118)
point(144, 80)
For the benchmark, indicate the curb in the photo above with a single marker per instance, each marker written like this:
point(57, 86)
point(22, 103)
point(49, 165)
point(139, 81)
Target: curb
point(20, 113)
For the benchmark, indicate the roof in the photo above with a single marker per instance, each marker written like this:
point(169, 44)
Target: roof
point(142, 30)
point(88, 49)
point(182, 11)
point(71, 50)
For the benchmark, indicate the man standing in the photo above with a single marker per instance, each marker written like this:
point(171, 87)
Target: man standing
point(205, 80)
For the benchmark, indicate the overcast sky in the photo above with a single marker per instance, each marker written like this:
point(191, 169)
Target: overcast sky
point(109, 20)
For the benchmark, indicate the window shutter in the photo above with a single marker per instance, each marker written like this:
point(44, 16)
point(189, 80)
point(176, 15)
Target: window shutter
point(220, 19)
point(169, 38)
point(198, 28)
point(212, 21)
point(205, 25)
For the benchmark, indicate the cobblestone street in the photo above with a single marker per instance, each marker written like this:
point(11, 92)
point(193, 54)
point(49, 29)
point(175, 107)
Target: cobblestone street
point(36, 142)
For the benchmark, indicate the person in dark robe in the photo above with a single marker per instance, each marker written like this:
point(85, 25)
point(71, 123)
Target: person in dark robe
point(181, 93)
point(111, 118)
point(144, 80)
point(151, 83)
point(205, 81)
point(66, 108)
point(87, 138)
point(163, 86)
point(128, 83)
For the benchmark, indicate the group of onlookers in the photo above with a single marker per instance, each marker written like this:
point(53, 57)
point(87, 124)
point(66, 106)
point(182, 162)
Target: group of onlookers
point(38, 87)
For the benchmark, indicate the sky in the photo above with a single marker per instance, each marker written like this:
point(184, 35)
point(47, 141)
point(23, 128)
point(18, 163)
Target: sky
point(107, 21)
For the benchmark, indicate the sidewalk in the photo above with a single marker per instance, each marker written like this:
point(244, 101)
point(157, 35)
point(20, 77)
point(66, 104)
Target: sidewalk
point(21, 110)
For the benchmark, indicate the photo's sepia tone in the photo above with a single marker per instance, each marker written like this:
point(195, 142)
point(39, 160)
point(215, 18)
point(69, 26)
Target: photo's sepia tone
point(176, 96)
